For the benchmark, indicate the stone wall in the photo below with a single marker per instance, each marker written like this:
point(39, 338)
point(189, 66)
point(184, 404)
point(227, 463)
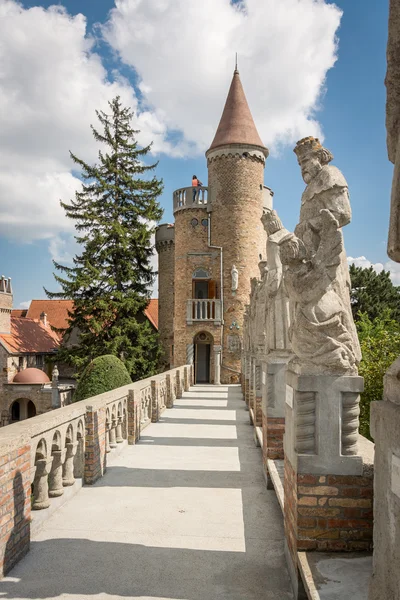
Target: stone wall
point(51, 450)
point(166, 264)
point(192, 252)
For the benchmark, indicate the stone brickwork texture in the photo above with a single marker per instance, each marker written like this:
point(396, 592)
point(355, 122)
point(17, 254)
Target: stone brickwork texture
point(134, 417)
point(192, 252)
point(15, 508)
point(330, 513)
point(166, 268)
point(236, 183)
point(95, 446)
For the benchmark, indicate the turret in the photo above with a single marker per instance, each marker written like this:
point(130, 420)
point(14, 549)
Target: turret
point(6, 303)
point(236, 161)
point(165, 237)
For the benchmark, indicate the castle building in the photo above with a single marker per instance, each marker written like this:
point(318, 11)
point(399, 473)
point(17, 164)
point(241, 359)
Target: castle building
point(208, 257)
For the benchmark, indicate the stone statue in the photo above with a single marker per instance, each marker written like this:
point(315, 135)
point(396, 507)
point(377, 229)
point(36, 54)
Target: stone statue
point(235, 278)
point(277, 313)
point(323, 333)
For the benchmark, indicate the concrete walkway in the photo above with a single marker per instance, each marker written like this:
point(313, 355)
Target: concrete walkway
point(185, 514)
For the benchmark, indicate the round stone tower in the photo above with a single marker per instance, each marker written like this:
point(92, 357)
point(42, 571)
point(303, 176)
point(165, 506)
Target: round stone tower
point(236, 161)
point(165, 236)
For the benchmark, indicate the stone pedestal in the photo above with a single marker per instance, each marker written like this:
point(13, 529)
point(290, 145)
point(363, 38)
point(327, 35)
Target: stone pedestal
point(273, 388)
point(328, 485)
point(385, 429)
point(217, 364)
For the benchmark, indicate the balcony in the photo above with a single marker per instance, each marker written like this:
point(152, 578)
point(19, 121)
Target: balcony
point(203, 310)
point(190, 197)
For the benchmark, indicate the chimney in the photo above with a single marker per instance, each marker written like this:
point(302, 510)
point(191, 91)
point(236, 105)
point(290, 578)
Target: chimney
point(6, 302)
point(43, 318)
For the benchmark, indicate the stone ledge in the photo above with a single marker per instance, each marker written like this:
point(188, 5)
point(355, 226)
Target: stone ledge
point(276, 473)
point(334, 576)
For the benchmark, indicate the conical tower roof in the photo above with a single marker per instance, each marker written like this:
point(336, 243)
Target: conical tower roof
point(236, 125)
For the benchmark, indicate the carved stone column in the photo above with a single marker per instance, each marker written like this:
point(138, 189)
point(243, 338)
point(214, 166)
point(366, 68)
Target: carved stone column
point(40, 484)
point(119, 439)
point(68, 469)
point(217, 364)
point(56, 474)
point(112, 433)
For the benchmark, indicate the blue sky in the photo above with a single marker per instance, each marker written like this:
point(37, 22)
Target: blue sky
point(347, 106)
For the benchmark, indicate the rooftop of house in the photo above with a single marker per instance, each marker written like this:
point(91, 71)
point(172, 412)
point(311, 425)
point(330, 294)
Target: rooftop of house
point(29, 334)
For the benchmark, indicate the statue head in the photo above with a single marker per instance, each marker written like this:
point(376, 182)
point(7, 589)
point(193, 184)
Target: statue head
point(271, 221)
point(292, 251)
point(311, 156)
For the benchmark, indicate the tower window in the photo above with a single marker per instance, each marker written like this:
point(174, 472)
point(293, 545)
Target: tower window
point(194, 222)
point(204, 222)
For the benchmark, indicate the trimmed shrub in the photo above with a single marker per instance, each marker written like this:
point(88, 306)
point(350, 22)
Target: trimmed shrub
point(103, 374)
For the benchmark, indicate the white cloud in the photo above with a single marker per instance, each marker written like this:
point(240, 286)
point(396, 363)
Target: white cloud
point(389, 265)
point(183, 52)
point(51, 82)
point(24, 305)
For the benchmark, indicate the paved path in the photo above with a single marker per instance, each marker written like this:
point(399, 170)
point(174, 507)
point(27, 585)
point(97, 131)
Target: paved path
point(183, 515)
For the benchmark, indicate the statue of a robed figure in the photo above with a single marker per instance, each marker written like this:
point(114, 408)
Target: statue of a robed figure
point(316, 277)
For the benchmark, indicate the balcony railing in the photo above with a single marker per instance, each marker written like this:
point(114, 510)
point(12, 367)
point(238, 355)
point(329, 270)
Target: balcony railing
point(203, 310)
point(190, 197)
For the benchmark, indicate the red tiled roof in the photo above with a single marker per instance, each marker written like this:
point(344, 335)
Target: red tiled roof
point(151, 312)
point(56, 311)
point(19, 312)
point(29, 336)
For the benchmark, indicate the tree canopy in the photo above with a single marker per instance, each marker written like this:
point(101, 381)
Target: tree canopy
point(110, 280)
point(372, 293)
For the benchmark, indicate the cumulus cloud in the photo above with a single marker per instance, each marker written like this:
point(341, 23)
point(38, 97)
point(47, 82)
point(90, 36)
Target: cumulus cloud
point(390, 265)
point(24, 305)
point(183, 53)
point(51, 82)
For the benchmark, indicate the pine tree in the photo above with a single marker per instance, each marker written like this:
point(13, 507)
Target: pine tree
point(110, 280)
point(372, 293)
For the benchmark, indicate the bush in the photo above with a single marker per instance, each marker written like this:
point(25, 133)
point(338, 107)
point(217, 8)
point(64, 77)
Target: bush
point(380, 346)
point(103, 374)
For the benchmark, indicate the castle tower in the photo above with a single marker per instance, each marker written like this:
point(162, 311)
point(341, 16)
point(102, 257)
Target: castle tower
point(165, 235)
point(6, 302)
point(236, 161)
point(215, 248)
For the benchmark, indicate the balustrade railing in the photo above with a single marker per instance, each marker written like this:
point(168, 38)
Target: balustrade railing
point(42, 456)
point(189, 197)
point(203, 310)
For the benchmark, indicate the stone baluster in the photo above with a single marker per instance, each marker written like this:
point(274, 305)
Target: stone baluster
point(113, 441)
point(119, 439)
point(108, 448)
point(56, 474)
point(68, 469)
point(40, 484)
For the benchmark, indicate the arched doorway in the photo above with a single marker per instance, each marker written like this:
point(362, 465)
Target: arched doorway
point(202, 356)
point(22, 409)
point(15, 411)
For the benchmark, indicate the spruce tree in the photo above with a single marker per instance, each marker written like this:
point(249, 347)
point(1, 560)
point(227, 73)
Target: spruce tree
point(110, 280)
point(373, 293)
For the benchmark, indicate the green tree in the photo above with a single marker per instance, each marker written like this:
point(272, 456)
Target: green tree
point(103, 374)
point(110, 280)
point(373, 292)
point(380, 346)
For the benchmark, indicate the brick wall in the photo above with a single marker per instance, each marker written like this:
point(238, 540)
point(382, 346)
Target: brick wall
point(328, 513)
point(95, 446)
point(274, 429)
point(234, 180)
point(15, 509)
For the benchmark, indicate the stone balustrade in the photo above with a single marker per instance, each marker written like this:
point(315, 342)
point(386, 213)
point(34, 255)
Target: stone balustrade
point(190, 197)
point(203, 310)
point(42, 456)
